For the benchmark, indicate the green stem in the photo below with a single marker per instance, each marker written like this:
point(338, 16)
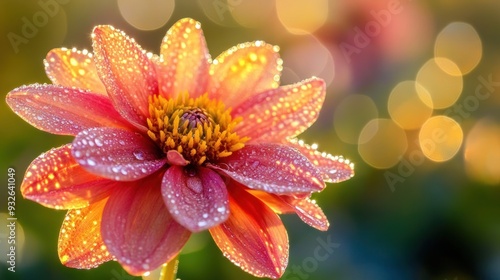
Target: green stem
point(167, 271)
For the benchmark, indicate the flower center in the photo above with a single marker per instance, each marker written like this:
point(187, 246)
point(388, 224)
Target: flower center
point(200, 129)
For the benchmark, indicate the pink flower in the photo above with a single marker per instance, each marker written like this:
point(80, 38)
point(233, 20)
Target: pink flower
point(174, 144)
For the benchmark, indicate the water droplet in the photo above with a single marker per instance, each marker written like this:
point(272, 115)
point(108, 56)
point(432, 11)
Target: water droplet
point(98, 142)
point(91, 162)
point(139, 155)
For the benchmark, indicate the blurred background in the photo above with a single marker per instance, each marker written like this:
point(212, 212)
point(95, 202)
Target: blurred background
point(413, 99)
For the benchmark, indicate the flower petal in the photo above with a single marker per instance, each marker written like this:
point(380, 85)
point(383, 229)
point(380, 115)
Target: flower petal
point(307, 209)
point(80, 243)
point(281, 113)
point(272, 168)
point(243, 71)
point(253, 237)
point(126, 72)
point(183, 66)
point(73, 68)
point(116, 154)
point(62, 110)
point(55, 180)
point(335, 169)
point(138, 229)
point(197, 201)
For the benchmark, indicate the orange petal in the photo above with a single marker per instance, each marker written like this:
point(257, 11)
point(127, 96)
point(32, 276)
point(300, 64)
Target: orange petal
point(55, 180)
point(334, 168)
point(307, 209)
point(126, 71)
point(183, 65)
point(281, 113)
point(253, 237)
point(61, 110)
point(138, 229)
point(243, 71)
point(73, 68)
point(80, 243)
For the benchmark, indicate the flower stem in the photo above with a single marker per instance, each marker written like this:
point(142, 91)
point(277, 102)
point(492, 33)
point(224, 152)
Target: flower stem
point(167, 271)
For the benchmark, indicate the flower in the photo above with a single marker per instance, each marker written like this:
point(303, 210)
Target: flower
point(169, 145)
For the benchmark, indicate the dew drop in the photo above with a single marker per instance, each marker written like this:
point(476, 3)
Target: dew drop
point(91, 162)
point(98, 142)
point(139, 155)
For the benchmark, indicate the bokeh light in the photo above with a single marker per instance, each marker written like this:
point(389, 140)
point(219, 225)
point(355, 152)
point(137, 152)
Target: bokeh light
point(459, 42)
point(351, 115)
point(440, 138)
point(319, 60)
point(302, 16)
point(382, 143)
point(147, 14)
point(19, 238)
point(443, 87)
point(482, 152)
point(246, 11)
point(406, 106)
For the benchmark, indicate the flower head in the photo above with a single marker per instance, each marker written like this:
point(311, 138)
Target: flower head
point(174, 144)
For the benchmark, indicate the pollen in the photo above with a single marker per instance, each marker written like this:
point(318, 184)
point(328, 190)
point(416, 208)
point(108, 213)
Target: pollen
point(200, 129)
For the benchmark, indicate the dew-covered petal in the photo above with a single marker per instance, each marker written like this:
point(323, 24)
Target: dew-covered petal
point(197, 199)
point(80, 244)
point(61, 110)
point(253, 237)
point(116, 154)
point(281, 113)
point(73, 68)
point(334, 168)
point(272, 168)
point(126, 71)
point(243, 71)
point(138, 229)
point(184, 61)
point(306, 208)
point(55, 180)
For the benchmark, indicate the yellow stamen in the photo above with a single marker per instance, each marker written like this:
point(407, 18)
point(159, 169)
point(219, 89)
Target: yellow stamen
point(200, 129)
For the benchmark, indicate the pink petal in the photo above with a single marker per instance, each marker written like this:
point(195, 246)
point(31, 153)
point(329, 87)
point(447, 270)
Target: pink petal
point(126, 71)
point(253, 237)
point(309, 212)
point(55, 180)
point(175, 158)
point(197, 199)
point(73, 68)
point(335, 169)
point(62, 110)
point(117, 154)
point(138, 229)
point(183, 66)
point(243, 71)
point(80, 242)
point(281, 113)
point(307, 209)
point(272, 168)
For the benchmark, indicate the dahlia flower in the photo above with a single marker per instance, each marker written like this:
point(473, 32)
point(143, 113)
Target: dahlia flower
point(170, 145)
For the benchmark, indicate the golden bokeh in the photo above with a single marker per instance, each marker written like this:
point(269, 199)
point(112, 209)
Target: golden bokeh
point(382, 143)
point(440, 138)
point(443, 87)
point(358, 109)
point(146, 15)
point(406, 107)
point(459, 42)
point(482, 152)
point(302, 16)
point(252, 13)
